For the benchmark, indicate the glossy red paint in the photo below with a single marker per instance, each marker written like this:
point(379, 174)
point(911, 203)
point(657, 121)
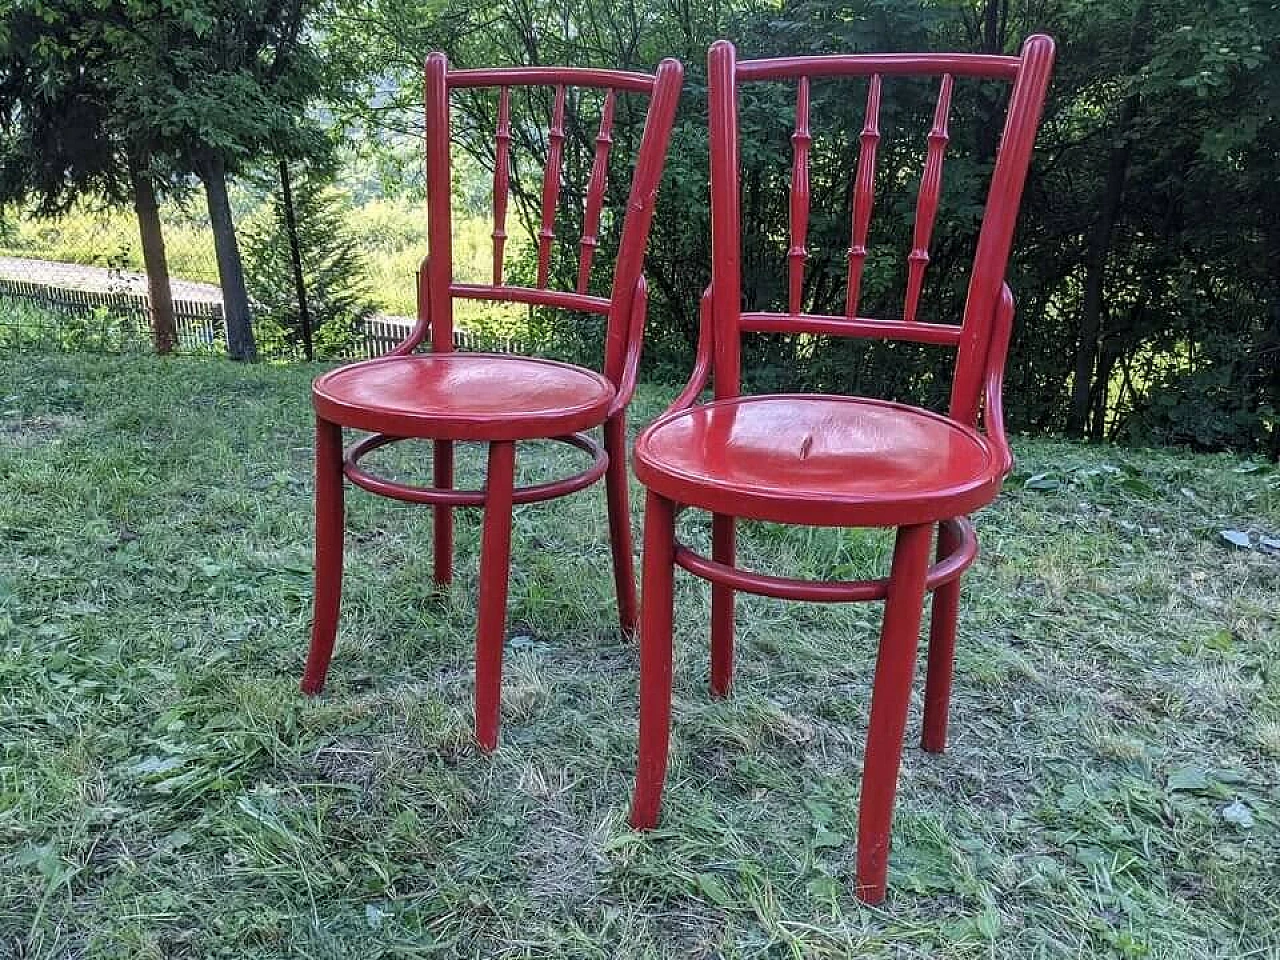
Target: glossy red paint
point(927, 204)
point(837, 461)
point(863, 195)
point(447, 397)
point(595, 193)
point(801, 141)
point(551, 186)
point(501, 182)
point(464, 396)
point(819, 461)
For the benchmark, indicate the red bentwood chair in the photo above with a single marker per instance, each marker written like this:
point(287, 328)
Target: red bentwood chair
point(448, 397)
point(837, 461)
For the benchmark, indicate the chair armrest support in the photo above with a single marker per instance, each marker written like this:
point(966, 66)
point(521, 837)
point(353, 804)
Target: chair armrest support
point(626, 385)
point(422, 327)
point(993, 398)
point(702, 362)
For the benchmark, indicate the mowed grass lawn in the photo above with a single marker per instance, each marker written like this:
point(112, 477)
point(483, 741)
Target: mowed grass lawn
point(165, 791)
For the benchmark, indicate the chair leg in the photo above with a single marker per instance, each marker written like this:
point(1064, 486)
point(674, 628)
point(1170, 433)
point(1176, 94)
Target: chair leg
point(656, 612)
point(624, 573)
point(891, 692)
point(329, 524)
point(495, 561)
point(723, 550)
point(942, 652)
point(442, 479)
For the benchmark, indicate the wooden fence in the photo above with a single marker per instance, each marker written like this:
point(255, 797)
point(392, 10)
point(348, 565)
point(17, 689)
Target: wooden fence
point(199, 323)
point(381, 334)
point(120, 319)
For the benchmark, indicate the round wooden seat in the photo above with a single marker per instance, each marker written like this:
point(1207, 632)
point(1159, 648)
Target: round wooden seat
point(464, 396)
point(826, 461)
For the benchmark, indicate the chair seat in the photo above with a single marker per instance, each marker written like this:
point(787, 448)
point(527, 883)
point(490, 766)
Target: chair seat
point(463, 396)
point(825, 461)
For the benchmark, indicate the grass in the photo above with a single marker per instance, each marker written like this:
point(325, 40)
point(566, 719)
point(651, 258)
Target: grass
point(390, 236)
point(1111, 788)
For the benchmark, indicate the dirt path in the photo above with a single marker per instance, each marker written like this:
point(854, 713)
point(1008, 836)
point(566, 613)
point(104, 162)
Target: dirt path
point(80, 277)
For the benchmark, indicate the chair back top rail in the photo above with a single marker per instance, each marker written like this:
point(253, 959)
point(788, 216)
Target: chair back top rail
point(1028, 74)
point(885, 64)
point(438, 287)
point(552, 76)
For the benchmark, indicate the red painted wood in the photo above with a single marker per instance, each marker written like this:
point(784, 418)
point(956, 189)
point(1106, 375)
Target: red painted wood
point(641, 83)
point(439, 262)
point(422, 323)
point(595, 193)
point(464, 396)
point(533, 493)
point(618, 500)
point(888, 64)
point(726, 244)
point(825, 461)
point(947, 569)
point(562, 299)
point(495, 559)
point(944, 334)
point(864, 190)
point(942, 651)
point(890, 696)
point(996, 237)
point(442, 532)
point(329, 529)
point(551, 186)
point(501, 182)
point(656, 612)
point(801, 140)
point(723, 549)
point(836, 461)
point(446, 396)
point(927, 203)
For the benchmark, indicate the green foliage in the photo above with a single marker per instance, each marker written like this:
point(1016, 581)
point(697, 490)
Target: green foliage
point(27, 326)
point(333, 266)
point(1167, 103)
point(109, 238)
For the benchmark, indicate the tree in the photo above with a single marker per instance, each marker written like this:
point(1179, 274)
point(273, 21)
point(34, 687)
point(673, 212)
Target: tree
point(202, 87)
point(336, 294)
point(221, 83)
point(58, 141)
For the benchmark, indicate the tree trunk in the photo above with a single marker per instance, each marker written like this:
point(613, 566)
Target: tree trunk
point(159, 295)
point(1100, 237)
point(1098, 416)
point(235, 298)
point(295, 259)
point(1095, 270)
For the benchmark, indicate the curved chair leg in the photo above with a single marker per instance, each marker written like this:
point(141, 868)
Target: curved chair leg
point(329, 524)
point(624, 573)
point(942, 652)
point(895, 667)
point(656, 611)
point(495, 561)
point(723, 550)
point(442, 479)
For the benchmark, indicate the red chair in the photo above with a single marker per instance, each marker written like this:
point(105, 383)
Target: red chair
point(837, 461)
point(446, 396)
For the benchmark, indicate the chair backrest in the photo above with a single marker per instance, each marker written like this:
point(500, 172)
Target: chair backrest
point(1029, 74)
point(623, 309)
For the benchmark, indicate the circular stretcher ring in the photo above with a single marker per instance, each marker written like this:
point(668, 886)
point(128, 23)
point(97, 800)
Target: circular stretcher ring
point(471, 498)
point(943, 571)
